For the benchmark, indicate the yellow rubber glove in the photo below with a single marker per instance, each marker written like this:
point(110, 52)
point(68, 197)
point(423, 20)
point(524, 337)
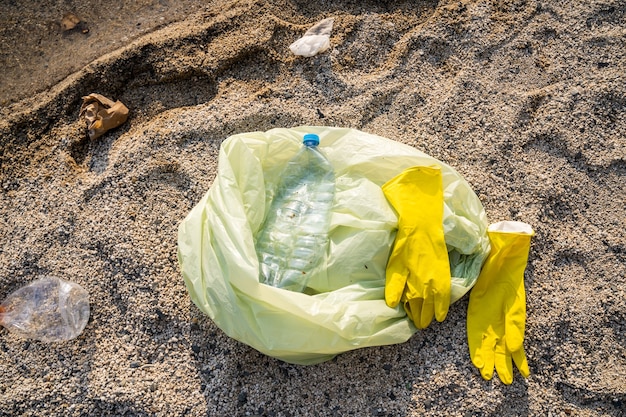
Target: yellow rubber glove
point(418, 270)
point(496, 315)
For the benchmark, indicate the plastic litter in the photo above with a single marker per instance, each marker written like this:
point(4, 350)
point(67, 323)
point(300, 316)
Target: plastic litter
point(496, 313)
point(315, 40)
point(102, 114)
point(418, 271)
point(345, 308)
point(70, 22)
point(293, 241)
point(49, 309)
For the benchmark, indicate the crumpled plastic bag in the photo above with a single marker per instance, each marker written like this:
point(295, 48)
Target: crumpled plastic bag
point(344, 308)
point(315, 40)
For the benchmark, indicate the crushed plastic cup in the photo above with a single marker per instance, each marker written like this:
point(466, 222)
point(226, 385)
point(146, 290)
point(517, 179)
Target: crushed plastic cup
point(49, 309)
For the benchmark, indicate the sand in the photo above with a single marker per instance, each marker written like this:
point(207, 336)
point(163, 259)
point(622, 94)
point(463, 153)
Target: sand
point(526, 99)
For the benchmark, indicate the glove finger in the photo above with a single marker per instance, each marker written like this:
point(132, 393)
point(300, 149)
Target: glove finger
point(428, 311)
point(503, 363)
point(413, 309)
point(442, 304)
point(396, 277)
point(519, 357)
point(485, 357)
point(475, 333)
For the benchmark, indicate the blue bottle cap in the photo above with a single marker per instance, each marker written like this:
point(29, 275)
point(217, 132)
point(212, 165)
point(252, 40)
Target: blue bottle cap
point(311, 139)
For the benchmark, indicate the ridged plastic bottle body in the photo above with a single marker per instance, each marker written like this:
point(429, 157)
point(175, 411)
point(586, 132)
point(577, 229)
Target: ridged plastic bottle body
point(49, 309)
point(293, 240)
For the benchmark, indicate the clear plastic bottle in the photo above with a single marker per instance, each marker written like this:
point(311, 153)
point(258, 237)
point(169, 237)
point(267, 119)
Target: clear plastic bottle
point(293, 241)
point(49, 309)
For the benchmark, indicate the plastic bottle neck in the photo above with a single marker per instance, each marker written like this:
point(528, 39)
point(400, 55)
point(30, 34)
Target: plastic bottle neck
point(311, 140)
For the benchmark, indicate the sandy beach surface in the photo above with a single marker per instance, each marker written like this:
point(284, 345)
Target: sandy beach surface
point(526, 99)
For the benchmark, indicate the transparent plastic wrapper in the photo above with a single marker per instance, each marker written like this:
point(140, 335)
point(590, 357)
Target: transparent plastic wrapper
point(343, 307)
point(49, 309)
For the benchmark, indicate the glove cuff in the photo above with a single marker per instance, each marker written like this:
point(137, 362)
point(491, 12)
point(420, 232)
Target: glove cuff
point(510, 226)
